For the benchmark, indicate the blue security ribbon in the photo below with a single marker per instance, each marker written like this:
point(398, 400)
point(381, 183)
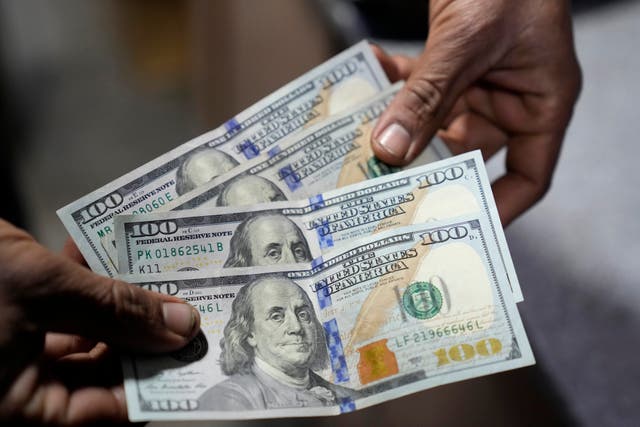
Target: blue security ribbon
point(336, 351)
point(290, 178)
point(316, 202)
point(346, 405)
point(273, 151)
point(316, 262)
point(324, 297)
point(249, 149)
point(232, 126)
point(324, 235)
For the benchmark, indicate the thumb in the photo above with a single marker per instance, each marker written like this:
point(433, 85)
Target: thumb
point(441, 74)
point(72, 299)
point(122, 314)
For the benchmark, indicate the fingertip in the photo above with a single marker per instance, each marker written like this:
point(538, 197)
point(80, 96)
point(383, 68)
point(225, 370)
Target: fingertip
point(380, 53)
point(377, 50)
point(387, 62)
point(178, 325)
point(181, 318)
point(391, 144)
point(454, 145)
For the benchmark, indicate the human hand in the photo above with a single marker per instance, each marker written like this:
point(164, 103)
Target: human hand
point(53, 313)
point(493, 73)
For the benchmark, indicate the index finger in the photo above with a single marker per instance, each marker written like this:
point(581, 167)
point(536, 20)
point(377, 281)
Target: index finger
point(397, 67)
point(71, 251)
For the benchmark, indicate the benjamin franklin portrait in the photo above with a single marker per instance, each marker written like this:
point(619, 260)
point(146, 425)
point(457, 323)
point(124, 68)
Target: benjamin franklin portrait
point(202, 166)
point(267, 239)
point(271, 347)
point(248, 190)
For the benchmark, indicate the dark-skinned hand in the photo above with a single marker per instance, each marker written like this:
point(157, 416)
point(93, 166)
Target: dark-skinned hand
point(61, 327)
point(493, 73)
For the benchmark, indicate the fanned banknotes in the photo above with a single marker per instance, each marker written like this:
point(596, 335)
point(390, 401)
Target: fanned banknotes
point(403, 280)
point(330, 154)
point(341, 82)
point(333, 153)
point(302, 230)
point(388, 315)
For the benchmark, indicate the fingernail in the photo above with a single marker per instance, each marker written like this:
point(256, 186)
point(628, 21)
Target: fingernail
point(396, 140)
point(179, 318)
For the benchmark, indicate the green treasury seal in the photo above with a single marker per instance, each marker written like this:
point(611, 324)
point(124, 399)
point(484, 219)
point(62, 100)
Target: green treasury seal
point(422, 300)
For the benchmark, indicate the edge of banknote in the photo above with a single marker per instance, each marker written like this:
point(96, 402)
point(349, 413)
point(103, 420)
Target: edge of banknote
point(86, 245)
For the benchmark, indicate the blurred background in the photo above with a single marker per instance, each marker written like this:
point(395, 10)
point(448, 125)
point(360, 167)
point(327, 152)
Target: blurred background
point(93, 89)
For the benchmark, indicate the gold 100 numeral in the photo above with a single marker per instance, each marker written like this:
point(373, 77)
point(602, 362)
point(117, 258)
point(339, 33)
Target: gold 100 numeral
point(464, 352)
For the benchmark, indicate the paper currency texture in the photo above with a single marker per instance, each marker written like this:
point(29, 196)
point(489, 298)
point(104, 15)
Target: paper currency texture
point(392, 314)
point(298, 231)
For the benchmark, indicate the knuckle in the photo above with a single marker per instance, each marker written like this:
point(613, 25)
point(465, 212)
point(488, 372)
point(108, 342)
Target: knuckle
point(570, 82)
point(127, 303)
point(560, 106)
point(540, 184)
point(29, 268)
point(425, 97)
point(569, 88)
point(541, 188)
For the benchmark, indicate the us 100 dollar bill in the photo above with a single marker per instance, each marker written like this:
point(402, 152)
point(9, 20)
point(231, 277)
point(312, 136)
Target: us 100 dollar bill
point(392, 314)
point(341, 82)
point(301, 230)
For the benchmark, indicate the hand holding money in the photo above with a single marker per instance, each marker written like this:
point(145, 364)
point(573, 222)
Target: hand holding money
point(492, 74)
point(42, 298)
point(345, 282)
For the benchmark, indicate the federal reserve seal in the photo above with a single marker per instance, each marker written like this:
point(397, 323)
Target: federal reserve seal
point(376, 168)
point(422, 300)
point(194, 351)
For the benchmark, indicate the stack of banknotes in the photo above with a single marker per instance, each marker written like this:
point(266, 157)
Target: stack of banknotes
point(326, 280)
